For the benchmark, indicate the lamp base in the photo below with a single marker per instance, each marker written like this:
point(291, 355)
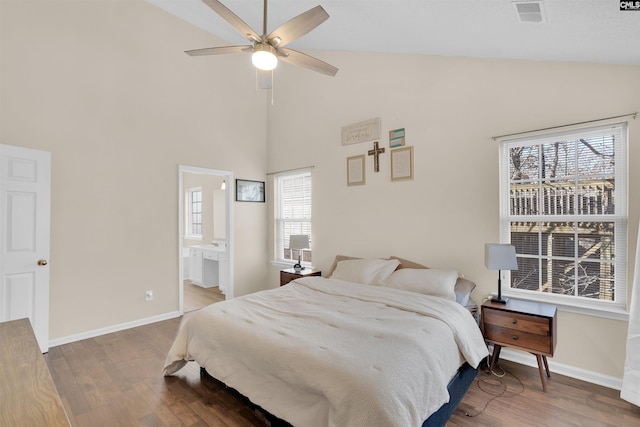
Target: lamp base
point(298, 266)
point(499, 300)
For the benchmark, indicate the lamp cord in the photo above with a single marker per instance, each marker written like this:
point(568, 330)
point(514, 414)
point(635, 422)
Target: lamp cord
point(484, 383)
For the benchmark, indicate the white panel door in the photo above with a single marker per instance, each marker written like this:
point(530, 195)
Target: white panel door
point(25, 204)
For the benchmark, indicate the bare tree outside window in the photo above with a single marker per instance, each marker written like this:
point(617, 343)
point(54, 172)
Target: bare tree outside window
point(562, 214)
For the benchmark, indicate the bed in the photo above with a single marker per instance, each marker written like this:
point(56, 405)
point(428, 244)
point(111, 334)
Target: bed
point(361, 348)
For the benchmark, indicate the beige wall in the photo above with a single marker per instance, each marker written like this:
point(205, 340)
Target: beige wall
point(106, 87)
point(450, 108)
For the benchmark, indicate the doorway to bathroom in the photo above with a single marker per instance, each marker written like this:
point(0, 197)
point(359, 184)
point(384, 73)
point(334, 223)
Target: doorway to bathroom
point(205, 236)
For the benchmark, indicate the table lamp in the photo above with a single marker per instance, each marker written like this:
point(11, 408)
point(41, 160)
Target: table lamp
point(299, 242)
point(498, 256)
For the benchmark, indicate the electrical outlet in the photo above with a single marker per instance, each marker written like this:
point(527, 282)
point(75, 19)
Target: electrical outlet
point(149, 296)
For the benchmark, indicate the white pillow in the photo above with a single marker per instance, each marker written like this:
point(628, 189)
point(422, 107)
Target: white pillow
point(430, 281)
point(366, 271)
point(462, 299)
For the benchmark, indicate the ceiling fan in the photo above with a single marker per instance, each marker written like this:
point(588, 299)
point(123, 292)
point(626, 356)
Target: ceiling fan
point(267, 48)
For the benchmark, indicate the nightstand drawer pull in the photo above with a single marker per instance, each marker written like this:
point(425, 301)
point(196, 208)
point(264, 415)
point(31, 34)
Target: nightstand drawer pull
point(514, 321)
point(515, 337)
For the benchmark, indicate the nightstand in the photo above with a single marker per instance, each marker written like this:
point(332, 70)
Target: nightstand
point(291, 274)
point(522, 325)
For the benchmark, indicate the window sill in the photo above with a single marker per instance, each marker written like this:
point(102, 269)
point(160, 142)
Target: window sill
point(287, 264)
point(613, 313)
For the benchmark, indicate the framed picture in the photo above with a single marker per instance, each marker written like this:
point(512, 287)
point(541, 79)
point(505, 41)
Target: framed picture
point(402, 164)
point(396, 138)
point(249, 191)
point(355, 170)
point(365, 131)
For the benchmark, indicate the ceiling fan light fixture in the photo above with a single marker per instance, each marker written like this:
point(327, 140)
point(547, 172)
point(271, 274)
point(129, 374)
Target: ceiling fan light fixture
point(267, 47)
point(264, 57)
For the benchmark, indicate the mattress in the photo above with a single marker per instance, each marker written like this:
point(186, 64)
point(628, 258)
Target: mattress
point(325, 352)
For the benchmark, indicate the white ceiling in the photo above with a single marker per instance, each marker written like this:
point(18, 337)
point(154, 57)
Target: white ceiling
point(575, 30)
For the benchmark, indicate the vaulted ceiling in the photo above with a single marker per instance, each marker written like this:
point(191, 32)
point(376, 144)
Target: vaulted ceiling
point(571, 30)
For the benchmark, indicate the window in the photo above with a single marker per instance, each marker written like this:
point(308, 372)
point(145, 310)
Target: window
point(194, 213)
point(293, 214)
point(563, 206)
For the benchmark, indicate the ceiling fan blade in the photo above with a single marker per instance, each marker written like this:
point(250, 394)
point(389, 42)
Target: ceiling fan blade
point(303, 60)
point(232, 19)
point(264, 79)
point(218, 50)
point(298, 26)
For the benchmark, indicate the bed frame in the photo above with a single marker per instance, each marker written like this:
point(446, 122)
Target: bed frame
point(457, 387)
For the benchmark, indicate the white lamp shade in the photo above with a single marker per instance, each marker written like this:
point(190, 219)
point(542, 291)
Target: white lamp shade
point(498, 256)
point(264, 57)
point(299, 241)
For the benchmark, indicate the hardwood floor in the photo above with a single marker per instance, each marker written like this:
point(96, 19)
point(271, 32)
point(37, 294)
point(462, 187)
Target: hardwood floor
point(116, 380)
point(28, 396)
point(196, 297)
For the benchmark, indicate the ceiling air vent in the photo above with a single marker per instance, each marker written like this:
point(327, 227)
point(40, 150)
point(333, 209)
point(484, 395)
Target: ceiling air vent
point(529, 11)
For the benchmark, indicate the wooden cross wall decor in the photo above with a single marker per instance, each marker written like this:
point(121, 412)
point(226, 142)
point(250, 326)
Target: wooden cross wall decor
point(376, 154)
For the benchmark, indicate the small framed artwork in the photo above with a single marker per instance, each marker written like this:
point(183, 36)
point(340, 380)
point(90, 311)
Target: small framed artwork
point(249, 191)
point(402, 164)
point(396, 138)
point(355, 170)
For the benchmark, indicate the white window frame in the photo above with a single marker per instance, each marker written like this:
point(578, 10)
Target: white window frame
point(280, 233)
point(189, 233)
point(615, 309)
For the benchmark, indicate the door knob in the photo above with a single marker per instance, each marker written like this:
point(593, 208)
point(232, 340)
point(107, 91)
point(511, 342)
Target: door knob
point(42, 262)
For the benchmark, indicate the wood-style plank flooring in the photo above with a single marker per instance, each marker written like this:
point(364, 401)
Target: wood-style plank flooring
point(116, 380)
point(28, 396)
point(196, 297)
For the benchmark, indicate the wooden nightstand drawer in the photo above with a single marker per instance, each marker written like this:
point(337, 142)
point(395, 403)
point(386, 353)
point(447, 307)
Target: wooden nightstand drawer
point(518, 339)
point(290, 274)
point(517, 321)
point(287, 277)
point(512, 326)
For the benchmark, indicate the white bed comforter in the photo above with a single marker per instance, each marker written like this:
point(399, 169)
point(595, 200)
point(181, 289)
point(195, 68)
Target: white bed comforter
point(324, 352)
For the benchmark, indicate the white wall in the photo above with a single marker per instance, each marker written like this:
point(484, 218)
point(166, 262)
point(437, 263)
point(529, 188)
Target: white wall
point(450, 108)
point(107, 89)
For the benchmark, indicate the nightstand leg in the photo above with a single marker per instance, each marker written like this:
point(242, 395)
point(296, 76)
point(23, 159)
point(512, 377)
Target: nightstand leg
point(495, 356)
point(546, 366)
point(543, 377)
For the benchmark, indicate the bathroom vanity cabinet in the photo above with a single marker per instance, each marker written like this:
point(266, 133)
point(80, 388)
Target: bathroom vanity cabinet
point(207, 266)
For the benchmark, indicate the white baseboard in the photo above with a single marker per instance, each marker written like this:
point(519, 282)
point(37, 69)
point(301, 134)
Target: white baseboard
point(114, 328)
point(520, 357)
point(562, 369)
